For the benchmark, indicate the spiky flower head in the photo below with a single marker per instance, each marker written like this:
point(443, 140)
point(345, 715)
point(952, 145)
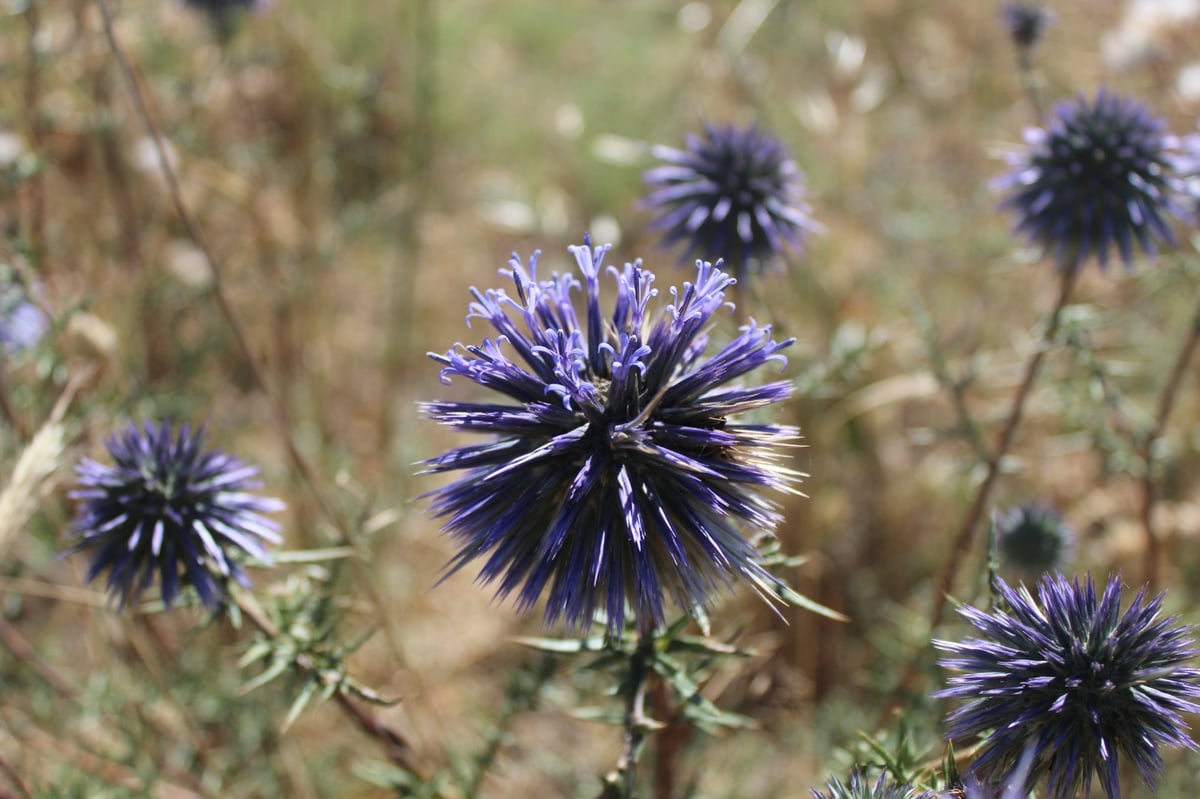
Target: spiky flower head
point(1068, 674)
point(167, 507)
point(1102, 174)
point(862, 788)
point(733, 193)
point(614, 472)
point(1026, 23)
point(1034, 538)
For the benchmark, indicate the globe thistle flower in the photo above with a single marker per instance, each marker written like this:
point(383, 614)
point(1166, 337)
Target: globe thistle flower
point(615, 473)
point(1026, 23)
point(1034, 538)
point(167, 507)
point(732, 194)
point(861, 788)
point(1070, 675)
point(1100, 175)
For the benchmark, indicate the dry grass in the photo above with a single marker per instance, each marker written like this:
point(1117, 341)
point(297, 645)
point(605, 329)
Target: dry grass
point(349, 209)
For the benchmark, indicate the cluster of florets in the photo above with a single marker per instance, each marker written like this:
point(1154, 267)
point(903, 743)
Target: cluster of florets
point(732, 194)
point(614, 473)
point(1068, 677)
point(1101, 175)
point(167, 508)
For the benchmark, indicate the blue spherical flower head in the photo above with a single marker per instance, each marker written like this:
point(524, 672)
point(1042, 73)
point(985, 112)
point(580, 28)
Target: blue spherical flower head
point(1034, 538)
point(614, 473)
point(1026, 23)
point(732, 194)
point(167, 507)
point(1100, 175)
point(862, 788)
point(1068, 674)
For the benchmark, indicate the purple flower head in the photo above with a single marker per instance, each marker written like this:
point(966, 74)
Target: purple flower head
point(614, 472)
point(1068, 674)
point(1034, 538)
point(1100, 175)
point(1026, 23)
point(861, 788)
point(167, 507)
point(732, 194)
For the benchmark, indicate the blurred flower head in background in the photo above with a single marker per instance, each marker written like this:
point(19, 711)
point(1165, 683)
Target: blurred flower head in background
point(860, 787)
point(1034, 538)
point(1026, 23)
point(1068, 674)
point(614, 473)
point(1101, 174)
point(167, 507)
point(22, 323)
point(224, 14)
point(733, 194)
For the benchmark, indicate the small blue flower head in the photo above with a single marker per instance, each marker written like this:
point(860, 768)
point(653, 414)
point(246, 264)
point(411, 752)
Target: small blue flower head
point(1034, 538)
point(733, 194)
point(1026, 23)
point(614, 472)
point(862, 788)
point(1100, 175)
point(22, 323)
point(1068, 674)
point(167, 507)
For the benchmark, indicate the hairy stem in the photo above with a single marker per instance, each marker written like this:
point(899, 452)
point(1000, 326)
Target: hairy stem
point(621, 783)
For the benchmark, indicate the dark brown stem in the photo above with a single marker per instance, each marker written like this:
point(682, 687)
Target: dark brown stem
point(1166, 403)
point(962, 540)
point(14, 777)
point(19, 648)
point(669, 743)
